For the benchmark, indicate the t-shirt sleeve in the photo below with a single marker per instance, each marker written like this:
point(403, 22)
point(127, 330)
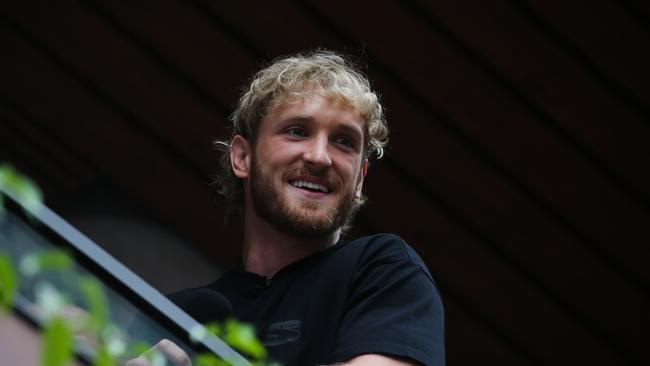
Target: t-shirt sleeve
point(393, 307)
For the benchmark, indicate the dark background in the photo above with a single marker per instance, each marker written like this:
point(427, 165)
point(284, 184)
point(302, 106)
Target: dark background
point(518, 164)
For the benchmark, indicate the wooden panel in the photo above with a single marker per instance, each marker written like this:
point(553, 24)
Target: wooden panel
point(565, 91)
point(38, 164)
point(608, 37)
point(34, 139)
point(496, 34)
point(130, 82)
point(461, 332)
point(135, 162)
point(202, 57)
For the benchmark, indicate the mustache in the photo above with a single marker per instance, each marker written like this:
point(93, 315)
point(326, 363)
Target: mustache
point(328, 177)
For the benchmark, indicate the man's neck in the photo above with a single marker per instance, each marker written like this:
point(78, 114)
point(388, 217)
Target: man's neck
point(267, 249)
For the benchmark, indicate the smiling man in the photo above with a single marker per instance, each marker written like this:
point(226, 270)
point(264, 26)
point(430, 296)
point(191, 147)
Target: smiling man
point(295, 165)
point(306, 167)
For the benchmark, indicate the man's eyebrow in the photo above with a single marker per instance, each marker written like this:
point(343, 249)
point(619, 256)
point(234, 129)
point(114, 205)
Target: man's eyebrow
point(294, 119)
point(351, 128)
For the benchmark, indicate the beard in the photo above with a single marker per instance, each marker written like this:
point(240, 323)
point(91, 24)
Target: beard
point(299, 216)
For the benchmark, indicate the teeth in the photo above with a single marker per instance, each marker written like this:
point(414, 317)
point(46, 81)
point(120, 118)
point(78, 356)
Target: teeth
point(302, 183)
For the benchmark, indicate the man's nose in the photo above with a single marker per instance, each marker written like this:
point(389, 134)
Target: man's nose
point(317, 154)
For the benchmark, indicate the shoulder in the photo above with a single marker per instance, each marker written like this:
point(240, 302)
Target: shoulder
point(385, 249)
point(383, 244)
point(380, 245)
point(393, 306)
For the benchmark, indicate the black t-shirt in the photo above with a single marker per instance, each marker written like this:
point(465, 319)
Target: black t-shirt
point(369, 295)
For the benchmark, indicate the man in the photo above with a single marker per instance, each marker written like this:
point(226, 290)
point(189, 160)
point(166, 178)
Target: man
point(302, 135)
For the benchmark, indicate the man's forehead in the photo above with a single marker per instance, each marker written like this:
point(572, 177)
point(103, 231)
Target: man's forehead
point(292, 104)
point(296, 96)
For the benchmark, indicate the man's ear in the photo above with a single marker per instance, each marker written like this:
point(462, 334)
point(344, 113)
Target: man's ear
point(240, 156)
point(362, 175)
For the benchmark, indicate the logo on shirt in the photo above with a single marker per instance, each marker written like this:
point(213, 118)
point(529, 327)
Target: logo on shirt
point(282, 332)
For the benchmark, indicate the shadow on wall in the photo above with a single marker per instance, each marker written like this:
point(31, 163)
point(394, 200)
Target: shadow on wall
point(156, 253)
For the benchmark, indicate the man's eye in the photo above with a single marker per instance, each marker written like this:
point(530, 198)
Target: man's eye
point(296, 131)
point(345, 141)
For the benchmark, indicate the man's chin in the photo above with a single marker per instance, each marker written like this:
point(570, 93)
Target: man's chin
point(301, 215)
point(312, 230)
point(312, 223)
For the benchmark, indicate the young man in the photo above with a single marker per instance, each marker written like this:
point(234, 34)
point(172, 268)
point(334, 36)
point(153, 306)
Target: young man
point(302, 136)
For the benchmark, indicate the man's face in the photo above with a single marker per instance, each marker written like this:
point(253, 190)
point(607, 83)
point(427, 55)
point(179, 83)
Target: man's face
point(307, 166)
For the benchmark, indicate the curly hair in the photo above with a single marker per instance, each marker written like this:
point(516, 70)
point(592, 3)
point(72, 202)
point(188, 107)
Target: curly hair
point(320, 72)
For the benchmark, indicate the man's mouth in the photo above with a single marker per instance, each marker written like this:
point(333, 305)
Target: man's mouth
point(310, 186)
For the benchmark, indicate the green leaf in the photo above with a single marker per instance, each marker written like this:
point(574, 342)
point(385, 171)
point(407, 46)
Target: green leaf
point(25, 191)
point(136, 348)
point(114, 339)
point(57, 344)
point(242, 336)
point(50, 260)
point(56, 260)
point(214, 328)
point(265, 363)
point(103, 357)
point(95, 298)
point(49, 299)
point(8, 281)
point(208, 359)
point(2, 207)
point(199, 332)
